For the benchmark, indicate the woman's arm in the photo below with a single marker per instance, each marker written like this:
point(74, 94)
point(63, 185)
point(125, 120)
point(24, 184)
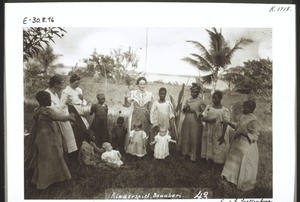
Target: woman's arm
point(55, 116)
point(231, 124)
point(106, 109)
point(97, 149)
point(92, 110)
point(86, 157)
point(119, 154)
point(207, 120)
point(153, 142)
point(154, 115)
point(127, 99)
point(222, 138)
point(253, 128)
point(225, 117)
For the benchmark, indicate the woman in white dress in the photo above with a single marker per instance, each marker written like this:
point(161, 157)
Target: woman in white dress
point(72, 96)
point(142, 101)
point(215, 139)
point(55, 87)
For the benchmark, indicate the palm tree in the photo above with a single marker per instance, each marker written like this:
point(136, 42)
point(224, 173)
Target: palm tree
point(214, 60)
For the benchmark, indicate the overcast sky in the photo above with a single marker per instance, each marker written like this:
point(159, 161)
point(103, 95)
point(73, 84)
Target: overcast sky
point(166, 46)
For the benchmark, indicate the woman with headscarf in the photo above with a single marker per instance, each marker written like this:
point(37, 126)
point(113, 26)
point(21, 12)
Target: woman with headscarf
point(72, 96)
point(191, 127)
point(142, 102)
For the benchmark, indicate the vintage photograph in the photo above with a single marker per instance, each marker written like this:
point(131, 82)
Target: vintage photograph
point(148, 112)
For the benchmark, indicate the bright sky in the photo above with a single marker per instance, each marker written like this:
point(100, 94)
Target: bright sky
point(166, 46)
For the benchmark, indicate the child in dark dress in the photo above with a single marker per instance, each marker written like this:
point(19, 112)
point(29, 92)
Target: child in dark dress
point(99, 124)
point(118, 134)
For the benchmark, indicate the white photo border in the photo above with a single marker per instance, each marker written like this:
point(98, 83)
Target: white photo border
point(158, 15)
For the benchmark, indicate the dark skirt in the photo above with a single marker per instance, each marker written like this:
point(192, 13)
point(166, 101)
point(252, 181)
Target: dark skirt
point(99, 126)
point(78, 126)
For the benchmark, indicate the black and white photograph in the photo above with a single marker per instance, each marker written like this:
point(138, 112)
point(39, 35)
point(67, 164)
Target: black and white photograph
point(147, 111)
point(147, 108)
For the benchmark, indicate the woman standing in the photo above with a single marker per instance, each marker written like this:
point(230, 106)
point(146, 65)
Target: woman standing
point(48, 162)
point(241, 165)
point(215, 140)
point(142, 102)
point(55, 87)
point(191, 127)
point(72, 96)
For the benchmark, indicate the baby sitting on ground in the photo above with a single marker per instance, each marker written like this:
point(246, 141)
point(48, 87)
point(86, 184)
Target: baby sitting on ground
point(111, 156)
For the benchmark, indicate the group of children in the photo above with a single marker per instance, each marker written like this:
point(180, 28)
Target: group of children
point(138, 142)
point(97, 147)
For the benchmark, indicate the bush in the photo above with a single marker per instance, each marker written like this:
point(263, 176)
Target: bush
point(34, 83)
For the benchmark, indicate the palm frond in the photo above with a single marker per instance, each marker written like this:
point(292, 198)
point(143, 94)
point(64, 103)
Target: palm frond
point(237, 69)
point(208, 78)
point(196, 64)
point(204, 65)
point(232, 77)
point(239, 45)
point(217, 41)
point(180, 99)
point(205, 54)
point(173, 102)
point(192, 61)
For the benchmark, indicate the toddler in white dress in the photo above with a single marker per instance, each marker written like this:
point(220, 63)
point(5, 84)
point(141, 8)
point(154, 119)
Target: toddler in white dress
point(161, 141)
point(111, 156)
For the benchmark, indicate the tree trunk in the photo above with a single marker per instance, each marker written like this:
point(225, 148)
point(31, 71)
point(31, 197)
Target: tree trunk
point(214, 86)
point(105, 80)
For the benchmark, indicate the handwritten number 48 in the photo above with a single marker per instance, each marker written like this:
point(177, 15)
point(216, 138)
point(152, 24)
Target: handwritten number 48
point(201, 195)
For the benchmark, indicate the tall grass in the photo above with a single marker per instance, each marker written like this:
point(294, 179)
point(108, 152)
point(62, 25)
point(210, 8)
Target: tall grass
point(174, 172)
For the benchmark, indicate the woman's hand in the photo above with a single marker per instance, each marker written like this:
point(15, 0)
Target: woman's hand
point(237, 135)
point(152, 143)
point(214, 120)
point(192, 111)
point(224, 122)
point(69, 100)
point(72, 117)
point(221, 140)
point(186, 108)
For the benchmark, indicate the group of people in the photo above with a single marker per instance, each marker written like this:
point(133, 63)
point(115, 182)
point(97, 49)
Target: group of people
point(60, 127)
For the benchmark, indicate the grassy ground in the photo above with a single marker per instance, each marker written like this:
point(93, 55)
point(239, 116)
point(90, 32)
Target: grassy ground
point(174, 172)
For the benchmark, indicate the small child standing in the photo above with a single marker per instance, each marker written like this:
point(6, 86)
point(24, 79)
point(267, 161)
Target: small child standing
point(118, 134)
point(99, 123)
point(113, 157)
point(161, 141)
point(137, 140)
point(162, 113)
